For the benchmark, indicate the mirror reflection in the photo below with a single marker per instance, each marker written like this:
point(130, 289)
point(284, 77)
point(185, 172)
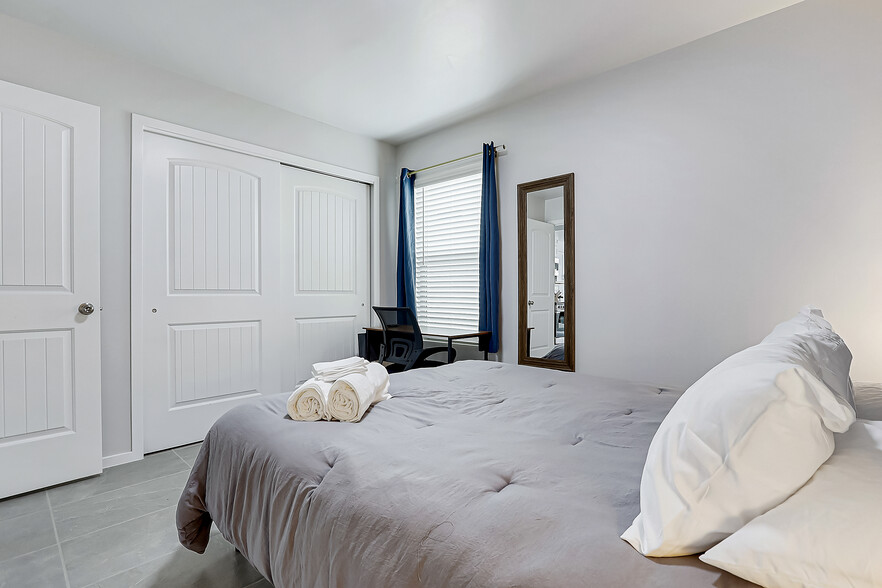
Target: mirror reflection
point(546, 302)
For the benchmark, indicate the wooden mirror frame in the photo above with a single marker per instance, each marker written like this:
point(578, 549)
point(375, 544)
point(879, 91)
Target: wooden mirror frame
point(567, 182)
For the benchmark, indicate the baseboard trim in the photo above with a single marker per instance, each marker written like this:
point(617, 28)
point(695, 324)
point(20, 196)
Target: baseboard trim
point(121, 458)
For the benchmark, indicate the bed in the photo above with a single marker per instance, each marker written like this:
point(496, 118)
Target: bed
point(473, 474)
point(556, 353)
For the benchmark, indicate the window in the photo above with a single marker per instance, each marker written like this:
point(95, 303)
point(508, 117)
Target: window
point(447, 215)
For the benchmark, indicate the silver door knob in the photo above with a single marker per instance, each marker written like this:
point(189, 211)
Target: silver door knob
point(86, 308)
point(529, 303)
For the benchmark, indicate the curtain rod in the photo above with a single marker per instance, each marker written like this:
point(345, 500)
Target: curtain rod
point(416, 171)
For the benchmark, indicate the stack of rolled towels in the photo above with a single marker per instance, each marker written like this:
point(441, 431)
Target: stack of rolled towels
point(339, 390)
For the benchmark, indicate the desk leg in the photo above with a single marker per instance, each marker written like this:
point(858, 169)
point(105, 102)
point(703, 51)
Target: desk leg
point(449, 350)
point(484, 344)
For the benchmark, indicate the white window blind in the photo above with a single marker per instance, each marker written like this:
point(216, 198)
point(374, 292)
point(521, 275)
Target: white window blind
point(447, 217)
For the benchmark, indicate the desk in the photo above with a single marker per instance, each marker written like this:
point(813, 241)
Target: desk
point(373, 338)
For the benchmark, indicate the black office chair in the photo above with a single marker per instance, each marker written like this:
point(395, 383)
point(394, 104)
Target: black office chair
point(403, 341)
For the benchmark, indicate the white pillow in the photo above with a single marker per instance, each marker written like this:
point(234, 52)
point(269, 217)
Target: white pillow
point(827, 534)
point(738, 442)
point(829, 351)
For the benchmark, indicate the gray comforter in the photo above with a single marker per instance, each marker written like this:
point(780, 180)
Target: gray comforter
point(474, 474)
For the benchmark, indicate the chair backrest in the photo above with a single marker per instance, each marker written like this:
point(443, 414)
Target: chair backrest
point(402, 338)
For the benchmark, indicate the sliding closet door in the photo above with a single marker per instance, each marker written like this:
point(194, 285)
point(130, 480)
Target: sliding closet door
point(211, 335)
point(50, 371)
point(325, 269)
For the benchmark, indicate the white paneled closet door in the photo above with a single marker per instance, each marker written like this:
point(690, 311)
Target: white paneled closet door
point(50, 371)
point(211, 335)
point(325, 269)
point(540, 286)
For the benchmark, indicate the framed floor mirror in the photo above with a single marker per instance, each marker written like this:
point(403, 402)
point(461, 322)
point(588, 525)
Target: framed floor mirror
point(546, 273)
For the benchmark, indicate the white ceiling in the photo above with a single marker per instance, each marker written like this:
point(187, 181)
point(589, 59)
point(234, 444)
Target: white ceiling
point(389, 69)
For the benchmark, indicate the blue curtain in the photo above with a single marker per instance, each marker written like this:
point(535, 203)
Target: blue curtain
point(406, 244)
point(488, 289)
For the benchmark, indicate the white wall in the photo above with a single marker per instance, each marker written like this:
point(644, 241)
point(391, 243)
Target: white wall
point(35, 57)
point(536, 209)
point(554, 210)
point(719, 186)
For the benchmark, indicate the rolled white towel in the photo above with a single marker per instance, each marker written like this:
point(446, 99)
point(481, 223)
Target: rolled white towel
point(379, 377)
point(330, 371)
point(309, 402)
point(352, 395)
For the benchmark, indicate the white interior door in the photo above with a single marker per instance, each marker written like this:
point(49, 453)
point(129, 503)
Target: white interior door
point(50, 371)
point(540, 281)
point(325, 269)
point(210, 226)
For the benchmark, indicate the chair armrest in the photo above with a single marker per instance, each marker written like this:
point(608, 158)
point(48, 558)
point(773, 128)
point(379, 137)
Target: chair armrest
point(426, 352)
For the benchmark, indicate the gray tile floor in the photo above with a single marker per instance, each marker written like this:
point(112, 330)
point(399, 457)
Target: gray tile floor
point(113, 531)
